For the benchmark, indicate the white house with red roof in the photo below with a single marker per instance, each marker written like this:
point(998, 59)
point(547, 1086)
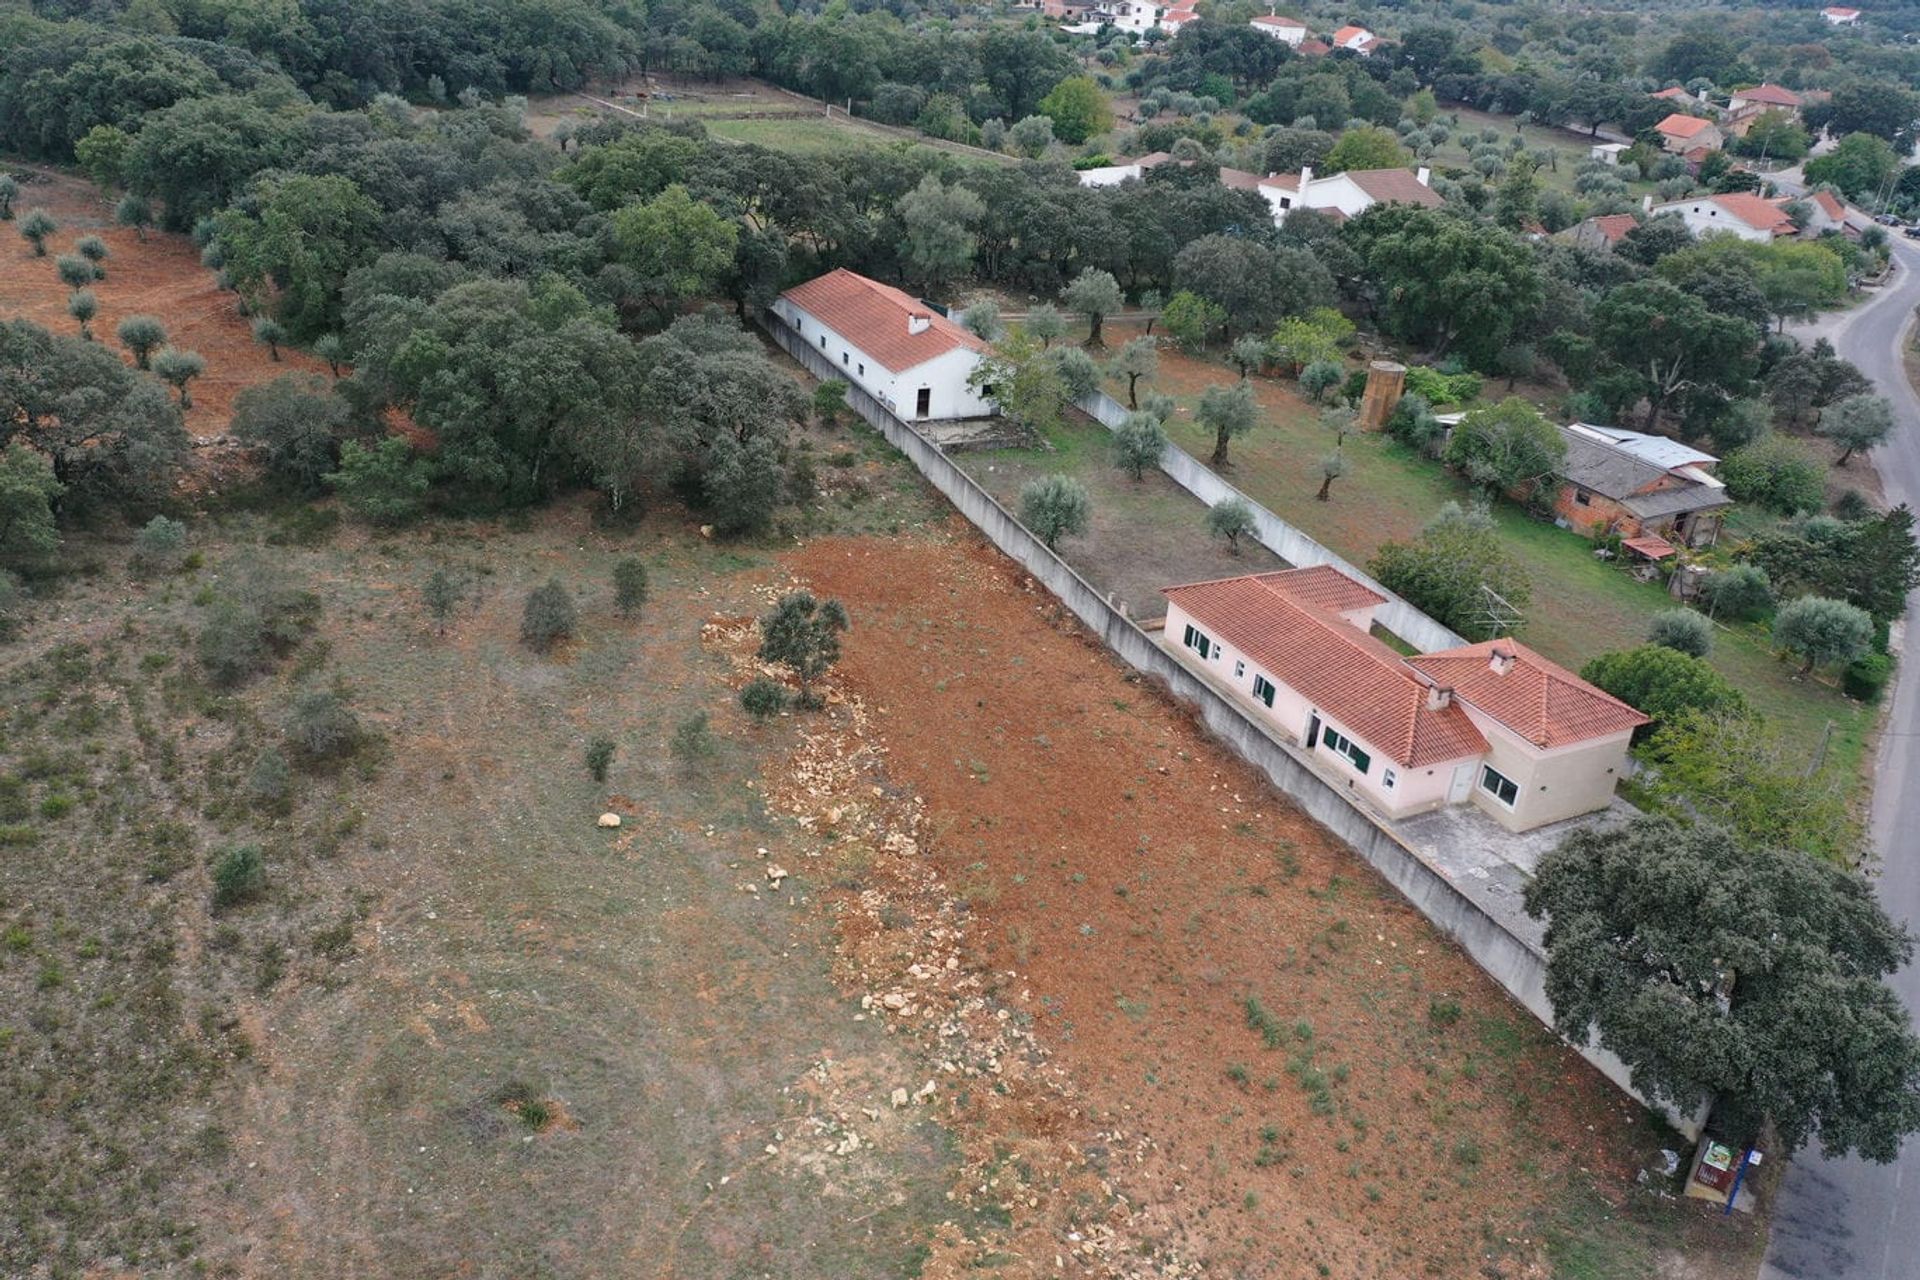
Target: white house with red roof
point(1493, 724)
point(1839, 16)
point(1349, 194)
point(1358, 39)
point(890, 344)
point(1735, 213)
point(1291, 30)
point(1770, 97)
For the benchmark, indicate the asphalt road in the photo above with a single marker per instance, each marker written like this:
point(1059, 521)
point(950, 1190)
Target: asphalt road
point(1847, 1219)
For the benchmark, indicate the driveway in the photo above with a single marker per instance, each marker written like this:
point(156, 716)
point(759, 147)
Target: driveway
point(1847, 1219)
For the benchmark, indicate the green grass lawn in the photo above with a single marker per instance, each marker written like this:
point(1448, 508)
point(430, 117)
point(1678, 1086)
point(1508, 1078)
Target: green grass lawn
point(1570, 150)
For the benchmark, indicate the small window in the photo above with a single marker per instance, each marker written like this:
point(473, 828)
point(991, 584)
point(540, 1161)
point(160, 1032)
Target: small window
point(1239, 669)
point(1344, 747)
point(1388, 778)
point(843, 358)
point(1198, 641)
point(862, 369)
point(823, 342)
point(1499, 785)
point(1263, 690)
point(1582, 498)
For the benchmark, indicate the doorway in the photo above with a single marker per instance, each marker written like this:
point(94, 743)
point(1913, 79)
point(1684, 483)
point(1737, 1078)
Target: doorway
point(1462, 784)
point(923, 402)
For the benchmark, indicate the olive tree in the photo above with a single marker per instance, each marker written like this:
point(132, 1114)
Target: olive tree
point(1054, 507)
point(35, 227)
point(142, 335)
point(1096, 295)
point(178, 368)
point(1232, 520)
point(1138, 444)
point(1824, 632)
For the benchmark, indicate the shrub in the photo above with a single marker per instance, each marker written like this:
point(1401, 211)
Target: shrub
point(238, 877)
point(159, 545)
point(320, 725)
point(803, 634)
point(1138, 444)
point(1449, 570)
point(763, 698)
point(600, 757)
point(269, 783)
point(1438, 388)
point(142, 335)
point(1232, 520)
point(693, 738)
point(1443, 1013)
point(1663, 682)
point(629, 586)
point(11, 603)
point(231, 646)
point(549, 616)
point(383, 483)
point(1822, 631)
point(1319, 378)
point(1866, 677)
point(1682, 630)
point(1738, 594)
point(1776, 473)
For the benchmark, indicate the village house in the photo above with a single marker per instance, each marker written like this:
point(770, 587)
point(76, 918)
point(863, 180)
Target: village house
point(1291, 30)
point(1651, 490)
point(1495, 725)
point(1347, 195)
point(1840, 17)
point(1358, 39)
point(891, 345)
point(1109, 175)
point(1736, 213)
point(1768, 97)
point(1685, 135)
point(1675, 93)
point(1828, 213)
point(1602, 231)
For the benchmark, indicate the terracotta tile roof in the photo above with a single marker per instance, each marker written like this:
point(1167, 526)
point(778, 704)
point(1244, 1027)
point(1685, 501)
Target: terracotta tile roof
point(1544, 703)
point(874, 317)
point(1771, 94)
point(1755, 211)
point(1239, 179)
point(1391, 186)
point(1290, 24)
point(1353, 679)
point(1675, 92)
point(1315, 48)
point(1614, 226)
point(1830, 205)
point(1323, 587)
point(1283, 181)
point(1839, 12)
point(1344, 35)
point(1682, 126)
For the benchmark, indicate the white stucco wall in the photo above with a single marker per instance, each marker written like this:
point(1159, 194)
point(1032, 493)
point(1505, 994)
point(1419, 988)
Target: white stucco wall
point(1110, 175)
point(944, 377)
point(1294, 36)
point(1414, 790)
point(1703, 217)
point(1555, 784)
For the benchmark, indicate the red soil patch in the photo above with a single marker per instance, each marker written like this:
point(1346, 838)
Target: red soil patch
point(160, 276)
point(1132, 884)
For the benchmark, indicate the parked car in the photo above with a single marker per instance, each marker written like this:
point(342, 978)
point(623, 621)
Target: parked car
point(1912, 233)
point(1886, 220)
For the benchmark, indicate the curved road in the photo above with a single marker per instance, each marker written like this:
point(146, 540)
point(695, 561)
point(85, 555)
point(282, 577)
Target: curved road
point(1847, 1219)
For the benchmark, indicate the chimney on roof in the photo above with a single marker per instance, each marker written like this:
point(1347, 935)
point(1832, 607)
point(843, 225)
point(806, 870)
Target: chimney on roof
point(1500, 661)
point(918, 322)
point(1438, 698)
point(1422, 174)
point(1306, 176)
point(1646, 203)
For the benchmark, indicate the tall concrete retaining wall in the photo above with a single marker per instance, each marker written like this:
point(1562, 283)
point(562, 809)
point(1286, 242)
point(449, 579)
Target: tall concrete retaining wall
point(1279, 537)
point(1514, 963)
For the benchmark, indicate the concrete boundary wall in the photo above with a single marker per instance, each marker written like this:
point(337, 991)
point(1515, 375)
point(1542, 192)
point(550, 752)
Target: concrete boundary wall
point(1279, 537)
point(1513, 962)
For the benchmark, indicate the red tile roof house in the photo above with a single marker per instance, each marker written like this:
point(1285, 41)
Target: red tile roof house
point(1494, 724)
point(1681, 134)
point(889, 344)
point(1737, 213)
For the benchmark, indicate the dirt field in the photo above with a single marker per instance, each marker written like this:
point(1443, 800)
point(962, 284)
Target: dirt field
point(161, 276)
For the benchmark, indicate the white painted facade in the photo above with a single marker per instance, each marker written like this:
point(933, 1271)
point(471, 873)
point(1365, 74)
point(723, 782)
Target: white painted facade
point(932, 390)
point(1550, 784)
point(1704, 217)
point(1110, 175)
point(1339, 192)
point(1288, 30)
point(1395, 789)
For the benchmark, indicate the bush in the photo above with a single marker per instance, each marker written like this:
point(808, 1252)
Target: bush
point(1448, 571)
point(629, 586)
point(763, 698)
point(1232, 520)
point(12, 601)
point(1776, 473)
point(269, 783)
point(232, 646)
point(383, 483)
point(600, 757)
point(1663, 683)
point(693, 738)
point(159, 546)
point(1682, 630)
point(1823, 631)
point(1319, 378)
point(1438, 388)
point(549, 616)
point(1738, 594)
point(320, 725)
point(239, 876)
point(1866, 677)
point(1138, 444)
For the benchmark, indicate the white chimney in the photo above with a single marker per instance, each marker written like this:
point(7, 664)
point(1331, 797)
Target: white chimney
point(1438, 699)
point(1422, 174)
point(1646, 203)
point(1499, 661)
point(1306, 176)
point(918, 322)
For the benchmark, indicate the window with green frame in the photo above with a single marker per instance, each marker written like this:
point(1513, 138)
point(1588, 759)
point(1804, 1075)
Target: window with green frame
point(1263, 690)
point(1344, 747)
point(1199, 641)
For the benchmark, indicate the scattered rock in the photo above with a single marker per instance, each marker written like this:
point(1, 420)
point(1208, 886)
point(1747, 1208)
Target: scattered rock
point(609, 820)
point(899, 1098)
point(776, 873)
point(894, 1000)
